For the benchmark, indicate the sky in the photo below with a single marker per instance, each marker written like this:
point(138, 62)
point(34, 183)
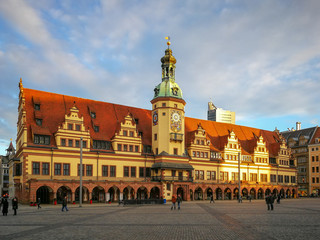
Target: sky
point(260, 59)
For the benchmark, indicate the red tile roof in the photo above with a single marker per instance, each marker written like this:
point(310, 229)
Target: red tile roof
point(53, 108)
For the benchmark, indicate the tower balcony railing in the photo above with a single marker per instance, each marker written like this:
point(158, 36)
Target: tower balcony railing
point(176, 137)
point(172, 178)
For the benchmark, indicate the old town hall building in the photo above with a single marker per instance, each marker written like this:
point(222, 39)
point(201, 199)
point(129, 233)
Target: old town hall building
point(131, 153)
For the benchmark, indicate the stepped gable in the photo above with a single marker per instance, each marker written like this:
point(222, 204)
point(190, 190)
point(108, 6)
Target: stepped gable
point(53, 108)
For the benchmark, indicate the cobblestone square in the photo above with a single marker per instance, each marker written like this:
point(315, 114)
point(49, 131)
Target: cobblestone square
point(291, 219)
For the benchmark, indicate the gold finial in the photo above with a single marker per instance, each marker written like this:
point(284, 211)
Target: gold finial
point(168, 42)
point(11, 139)
point(20, 83)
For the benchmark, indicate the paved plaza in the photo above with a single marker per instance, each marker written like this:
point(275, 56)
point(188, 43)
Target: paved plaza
point(292, 219)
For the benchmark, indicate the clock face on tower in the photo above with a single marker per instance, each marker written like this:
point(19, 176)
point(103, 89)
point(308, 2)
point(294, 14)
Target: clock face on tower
point(176, 121)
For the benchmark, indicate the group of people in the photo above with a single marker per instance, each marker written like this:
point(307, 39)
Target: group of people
point(174, 200)
point(4, 204)
point(269, 201)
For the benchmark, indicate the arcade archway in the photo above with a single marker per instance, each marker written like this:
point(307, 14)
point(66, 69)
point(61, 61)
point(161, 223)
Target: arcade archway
point(45, 194)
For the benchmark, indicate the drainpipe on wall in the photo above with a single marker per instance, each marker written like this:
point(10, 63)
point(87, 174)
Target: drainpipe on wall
point(98, 165)
point(51, 167)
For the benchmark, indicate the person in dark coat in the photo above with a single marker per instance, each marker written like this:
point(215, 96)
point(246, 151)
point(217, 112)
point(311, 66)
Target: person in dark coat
point(15, 205)
point(278, 198)
point(211, 198)
point(5, 206)
point(39, 203)
point(64, 204)
point(179, 200)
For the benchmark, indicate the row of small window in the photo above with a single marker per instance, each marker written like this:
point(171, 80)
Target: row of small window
point(262, 160)
point(314, 180)
point(125, 133)
point(200, 154)
point(314, 149)
point(284, 152)
point(72, 143)
point(59, 169)
point(99, 144)
point(215, 155)
point(282, 178)
point(63, 169)
point(315, 158)
point(262, 149)
point(302, 169)
point(164, 105)
point(224, 176)
point(235, 146)
point(72, 126)
point(302, 159)
point(300, 150)
point(283, 162)
point(128, 148)
point(246, 158)
point(131, 172)
point(231, 157)
point(200, 142)
point(315, 169)
point(41, 139)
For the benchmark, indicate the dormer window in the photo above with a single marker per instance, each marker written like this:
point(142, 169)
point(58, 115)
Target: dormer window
point(41, 139)
point(93, 115)
point(175, 91)
point(70, 126)
point(125, 133)
point(36, 106)
point(39, 121)
point(96, 128)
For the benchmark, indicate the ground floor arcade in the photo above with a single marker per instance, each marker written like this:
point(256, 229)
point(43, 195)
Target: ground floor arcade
point(102, 191)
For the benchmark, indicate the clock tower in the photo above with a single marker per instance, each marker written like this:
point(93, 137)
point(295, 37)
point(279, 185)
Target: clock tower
point(168, 126)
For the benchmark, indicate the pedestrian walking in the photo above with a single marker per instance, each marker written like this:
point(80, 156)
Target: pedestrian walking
point(179, 201)
point(15, 205)
point(173, 206)
point(249, 198)
point(278, 198)
point(5, 206)
point(39, 203)
point(270, 201)
point(211, 198)
point(64, 204)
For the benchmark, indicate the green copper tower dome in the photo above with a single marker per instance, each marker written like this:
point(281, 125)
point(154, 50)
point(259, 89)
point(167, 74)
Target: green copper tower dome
point(168, 87)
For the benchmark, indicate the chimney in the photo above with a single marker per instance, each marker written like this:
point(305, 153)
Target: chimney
point(298, 126)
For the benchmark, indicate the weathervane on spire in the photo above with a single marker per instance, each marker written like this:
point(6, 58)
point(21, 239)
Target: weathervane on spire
point(168, 42)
